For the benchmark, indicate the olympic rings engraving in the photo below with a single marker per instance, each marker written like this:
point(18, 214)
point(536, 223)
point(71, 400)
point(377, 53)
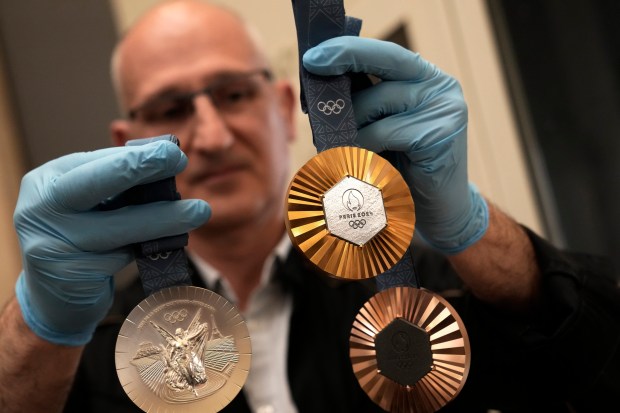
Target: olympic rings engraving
point(330, 106)
point(175, 316)
point(160, 256)
point(357, 224)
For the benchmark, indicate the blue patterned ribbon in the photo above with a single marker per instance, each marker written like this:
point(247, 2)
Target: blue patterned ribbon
point(162, 262)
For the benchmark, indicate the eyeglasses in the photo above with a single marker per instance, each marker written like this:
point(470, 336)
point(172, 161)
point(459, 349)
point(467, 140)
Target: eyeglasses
point(231, 93)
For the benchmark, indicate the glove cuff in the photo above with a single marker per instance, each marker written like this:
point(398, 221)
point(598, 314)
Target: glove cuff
point(473, 225)
point(39, 328)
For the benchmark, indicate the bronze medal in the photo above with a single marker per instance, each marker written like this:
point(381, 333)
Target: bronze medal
point(183, 349)
point(350, 212)
point(409, 350)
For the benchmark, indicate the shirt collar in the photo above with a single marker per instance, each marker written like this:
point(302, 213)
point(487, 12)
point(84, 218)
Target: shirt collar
point(213, 278)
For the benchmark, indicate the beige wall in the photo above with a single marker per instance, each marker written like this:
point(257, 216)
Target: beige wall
point(11, 170)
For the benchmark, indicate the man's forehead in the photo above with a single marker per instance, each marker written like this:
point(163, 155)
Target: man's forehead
point(171, 37)
point(169, 46)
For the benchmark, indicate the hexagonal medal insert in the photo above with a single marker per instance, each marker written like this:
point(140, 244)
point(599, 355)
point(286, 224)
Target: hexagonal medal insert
point(354, 210)
point(403, 352)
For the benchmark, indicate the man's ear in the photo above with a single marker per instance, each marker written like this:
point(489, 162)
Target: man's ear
point(119, 131)
point(288, 107)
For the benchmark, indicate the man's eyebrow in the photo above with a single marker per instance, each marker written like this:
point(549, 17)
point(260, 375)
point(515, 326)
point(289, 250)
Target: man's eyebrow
point(167, 92)
point(225, 74)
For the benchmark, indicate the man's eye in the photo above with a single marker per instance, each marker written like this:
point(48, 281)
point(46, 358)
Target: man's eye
point(175, 112)
point(235, 95)
point(169, 111)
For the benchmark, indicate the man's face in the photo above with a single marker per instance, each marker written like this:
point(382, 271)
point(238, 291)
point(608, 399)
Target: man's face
point(237, 138)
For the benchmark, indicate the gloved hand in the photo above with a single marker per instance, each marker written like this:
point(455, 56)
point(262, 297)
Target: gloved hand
point(71, 249)
point(418, 113)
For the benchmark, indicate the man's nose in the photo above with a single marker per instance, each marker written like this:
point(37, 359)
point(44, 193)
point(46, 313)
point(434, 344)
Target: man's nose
point(209, 133)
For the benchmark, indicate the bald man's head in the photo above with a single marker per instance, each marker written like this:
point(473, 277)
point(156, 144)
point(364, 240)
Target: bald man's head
point(177, 32)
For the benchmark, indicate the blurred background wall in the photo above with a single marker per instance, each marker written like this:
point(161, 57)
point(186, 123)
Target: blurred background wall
point(540, 78)
point(11, 169)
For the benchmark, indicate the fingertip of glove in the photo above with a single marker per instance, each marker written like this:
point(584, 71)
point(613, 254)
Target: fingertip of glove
point(171, 154)
point(181, 163)
point(201, 211)
point(205, 209)
point(314, 58)
point(322, 59)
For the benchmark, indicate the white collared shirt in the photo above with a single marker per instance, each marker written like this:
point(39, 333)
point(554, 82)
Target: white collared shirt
point(267, 316)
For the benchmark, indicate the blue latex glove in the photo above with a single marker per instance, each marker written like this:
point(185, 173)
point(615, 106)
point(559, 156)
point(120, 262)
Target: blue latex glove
point(71, 249)
point(418, 113)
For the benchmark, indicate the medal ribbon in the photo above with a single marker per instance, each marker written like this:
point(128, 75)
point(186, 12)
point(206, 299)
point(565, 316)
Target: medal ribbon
point(327, 101)
point(162, 262)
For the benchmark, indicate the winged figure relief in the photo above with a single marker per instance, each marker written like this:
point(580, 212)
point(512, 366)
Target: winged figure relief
point(188, 363)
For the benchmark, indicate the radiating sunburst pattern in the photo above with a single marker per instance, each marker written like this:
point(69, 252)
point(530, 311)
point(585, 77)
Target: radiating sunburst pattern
point(306, 216)
point(449, 347)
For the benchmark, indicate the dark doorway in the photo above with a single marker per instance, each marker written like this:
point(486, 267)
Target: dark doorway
point(562, 60)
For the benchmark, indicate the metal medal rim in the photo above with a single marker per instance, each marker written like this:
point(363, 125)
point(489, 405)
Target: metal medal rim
point(306, 221)
point(129, 339)
point(449, 342)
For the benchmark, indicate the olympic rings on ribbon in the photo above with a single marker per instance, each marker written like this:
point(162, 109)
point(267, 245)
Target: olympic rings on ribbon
point(330, 106)
point(159, 256)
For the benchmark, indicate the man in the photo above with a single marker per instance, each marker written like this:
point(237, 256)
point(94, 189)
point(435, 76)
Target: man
point(530, 310)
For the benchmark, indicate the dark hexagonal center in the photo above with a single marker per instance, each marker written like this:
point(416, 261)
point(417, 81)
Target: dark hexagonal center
point(403, 352)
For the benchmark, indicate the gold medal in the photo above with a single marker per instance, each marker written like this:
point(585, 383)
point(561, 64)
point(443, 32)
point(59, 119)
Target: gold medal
point(183, 349)
point(409, 350)
point(350, 212)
